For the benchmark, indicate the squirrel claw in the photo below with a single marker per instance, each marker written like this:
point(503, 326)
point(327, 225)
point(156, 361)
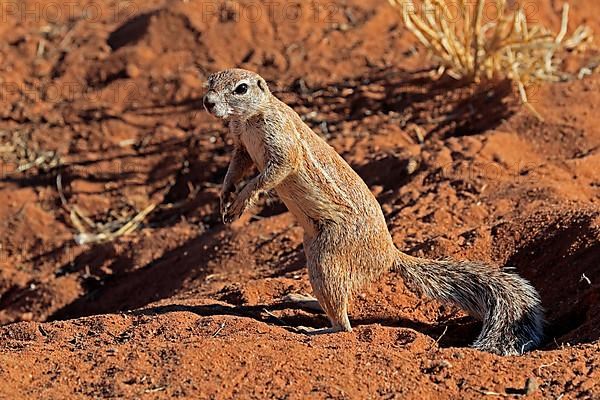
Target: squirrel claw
point(228, 218)
point(230, 213)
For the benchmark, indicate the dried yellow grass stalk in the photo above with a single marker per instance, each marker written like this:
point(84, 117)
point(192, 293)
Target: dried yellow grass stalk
point(468, 47)
point(91, 232)
point(102, 233)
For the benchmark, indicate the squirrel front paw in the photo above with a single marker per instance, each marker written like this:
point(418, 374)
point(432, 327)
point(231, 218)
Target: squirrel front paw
point(232, 211)
point(226, 199)
point(245, 199)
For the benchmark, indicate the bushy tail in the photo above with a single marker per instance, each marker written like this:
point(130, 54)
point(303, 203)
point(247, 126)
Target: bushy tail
point(508, 305)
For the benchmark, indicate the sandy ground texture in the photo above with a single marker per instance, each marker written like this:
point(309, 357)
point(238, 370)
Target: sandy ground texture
point(100, 118)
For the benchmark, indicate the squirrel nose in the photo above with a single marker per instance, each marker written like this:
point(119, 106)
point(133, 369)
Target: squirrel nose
point(208, 104)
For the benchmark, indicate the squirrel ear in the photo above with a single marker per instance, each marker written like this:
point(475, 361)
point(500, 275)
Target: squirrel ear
point(261, 84)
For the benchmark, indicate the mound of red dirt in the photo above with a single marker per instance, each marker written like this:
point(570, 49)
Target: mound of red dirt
point(100, 113)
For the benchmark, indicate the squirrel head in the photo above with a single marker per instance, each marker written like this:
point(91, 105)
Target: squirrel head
point(235, 93)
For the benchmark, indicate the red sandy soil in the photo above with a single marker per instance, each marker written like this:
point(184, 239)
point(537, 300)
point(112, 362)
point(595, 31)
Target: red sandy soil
point(186, 307)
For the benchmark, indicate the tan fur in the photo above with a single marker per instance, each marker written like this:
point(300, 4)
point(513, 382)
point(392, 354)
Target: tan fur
point(346, 240)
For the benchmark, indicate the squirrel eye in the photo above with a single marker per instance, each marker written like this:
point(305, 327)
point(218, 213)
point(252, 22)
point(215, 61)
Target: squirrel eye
point(242, 88)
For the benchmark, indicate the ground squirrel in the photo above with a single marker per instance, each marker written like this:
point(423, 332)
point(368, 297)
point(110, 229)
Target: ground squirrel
point(346, 239)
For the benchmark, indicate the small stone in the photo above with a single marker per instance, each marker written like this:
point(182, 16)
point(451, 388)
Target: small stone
point(132, 71)
point(531, 386)
point(28, 316)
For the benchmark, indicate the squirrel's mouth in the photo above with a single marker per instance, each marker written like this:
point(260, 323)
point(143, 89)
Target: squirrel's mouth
point(217, 110)
point(222, 113)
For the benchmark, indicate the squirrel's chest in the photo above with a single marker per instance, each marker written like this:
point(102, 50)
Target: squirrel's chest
point(254, 142)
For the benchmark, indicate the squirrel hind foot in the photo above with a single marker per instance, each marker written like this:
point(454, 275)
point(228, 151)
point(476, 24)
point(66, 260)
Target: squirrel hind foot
point(306, 330)
point(303, 301)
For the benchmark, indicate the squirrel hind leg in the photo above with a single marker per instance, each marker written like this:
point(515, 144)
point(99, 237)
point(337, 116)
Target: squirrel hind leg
point(340, 322)
point(335, 306)
point(338, 318)
point(332, 295)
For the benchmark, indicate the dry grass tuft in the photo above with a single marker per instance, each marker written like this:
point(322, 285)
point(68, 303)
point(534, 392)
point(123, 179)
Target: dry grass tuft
point(506, 46)
point(19, 154)
point(92, 232)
